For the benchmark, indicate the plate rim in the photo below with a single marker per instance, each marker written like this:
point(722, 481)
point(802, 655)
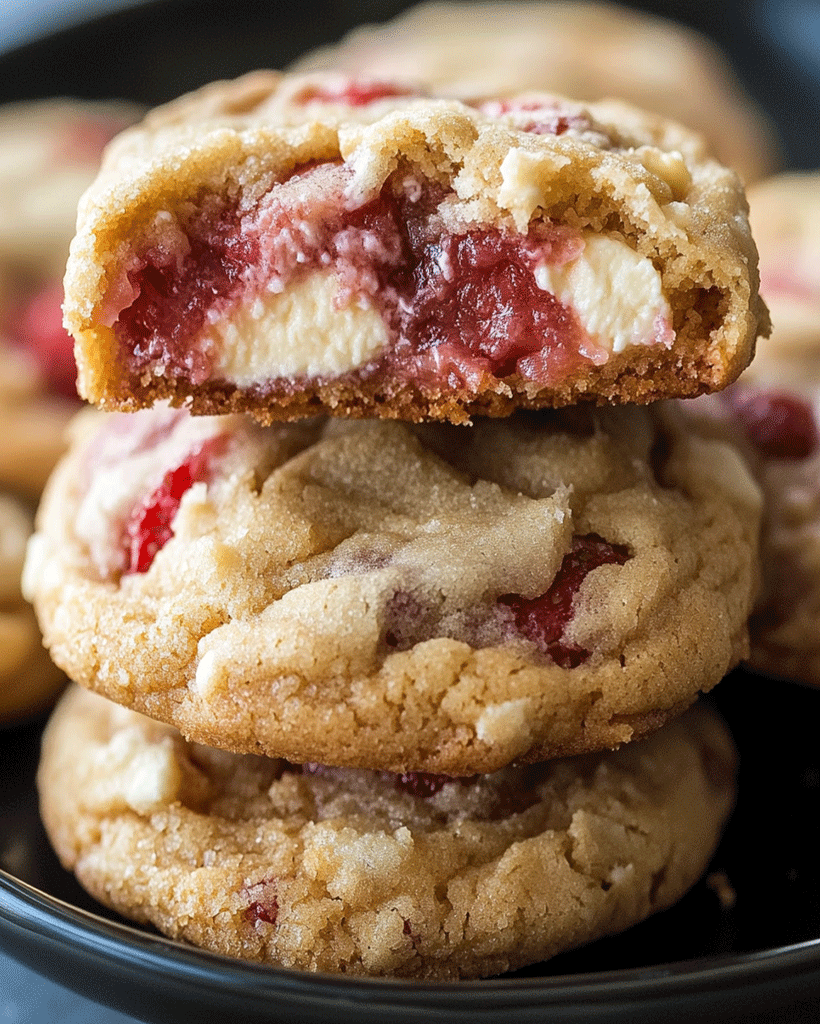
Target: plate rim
point(28, 909)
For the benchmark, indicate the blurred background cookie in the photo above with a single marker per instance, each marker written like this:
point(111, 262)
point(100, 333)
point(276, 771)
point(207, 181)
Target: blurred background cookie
point(589, 51)
point(49, 153)
point(370, 594)
point(785, 219)
point(28, 679)
point(772, 415)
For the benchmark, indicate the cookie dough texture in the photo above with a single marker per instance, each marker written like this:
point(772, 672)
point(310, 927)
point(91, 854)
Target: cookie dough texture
point(610, 169)
point(332, 594)
point(28, 679)
point(341, 870)
point(586, 50)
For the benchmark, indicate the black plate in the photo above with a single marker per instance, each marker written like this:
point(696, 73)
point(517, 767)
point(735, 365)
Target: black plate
point(756, 962)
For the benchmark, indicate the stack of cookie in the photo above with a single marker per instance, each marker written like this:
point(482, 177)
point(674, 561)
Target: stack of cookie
point(429, 549)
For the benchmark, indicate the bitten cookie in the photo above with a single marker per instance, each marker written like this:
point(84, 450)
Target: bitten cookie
point(375, 595)
point(28, 679)
point(287, 246)
point(586, 50)
point(359, 872)
point(50, 152)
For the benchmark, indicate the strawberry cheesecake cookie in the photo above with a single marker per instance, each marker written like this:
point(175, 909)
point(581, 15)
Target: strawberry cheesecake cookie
point(365, 873)
point(369, 593)
point(290, 246)
point(50, 152)
point(28, 679)
point(581, 49)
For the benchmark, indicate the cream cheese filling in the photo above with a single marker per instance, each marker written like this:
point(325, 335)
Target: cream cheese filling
point(615, 293)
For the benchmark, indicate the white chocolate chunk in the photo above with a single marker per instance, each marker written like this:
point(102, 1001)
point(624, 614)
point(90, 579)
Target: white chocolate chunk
point(300, 331)
point(615, 292)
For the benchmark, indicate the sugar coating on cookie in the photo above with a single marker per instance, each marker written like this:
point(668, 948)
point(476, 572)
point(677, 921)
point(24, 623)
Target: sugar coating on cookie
point(292, 245)
point(582, 49)
point(369, 593)
point(364, 873)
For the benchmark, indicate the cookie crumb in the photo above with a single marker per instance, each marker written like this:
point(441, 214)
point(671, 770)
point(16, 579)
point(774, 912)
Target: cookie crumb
point(718, 882)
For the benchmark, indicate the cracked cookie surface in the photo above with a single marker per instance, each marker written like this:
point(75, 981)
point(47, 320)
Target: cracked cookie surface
point(293, 245)
point(357, 872)
point(374, 594)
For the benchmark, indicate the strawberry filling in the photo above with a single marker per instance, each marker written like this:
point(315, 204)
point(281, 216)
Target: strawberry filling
point(780, 425)
point(150, 525)
point(543, 619)
point(174, 291)
point(458, 307)
point(263, 904)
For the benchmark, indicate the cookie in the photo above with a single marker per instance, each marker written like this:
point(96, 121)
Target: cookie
point(294, 246)
point(785, 218)
point(771, 415)
point(28, 679)
point(586, 50)
point(358, 872)
point(50, 153)
point(33, 424)
point(373, 594)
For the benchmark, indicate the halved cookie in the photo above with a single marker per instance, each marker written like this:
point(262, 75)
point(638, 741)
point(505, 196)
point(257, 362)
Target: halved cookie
point(289, 245)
